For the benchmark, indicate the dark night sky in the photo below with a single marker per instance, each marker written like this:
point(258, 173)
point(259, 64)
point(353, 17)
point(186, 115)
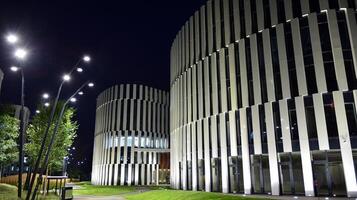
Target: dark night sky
point(129, 42)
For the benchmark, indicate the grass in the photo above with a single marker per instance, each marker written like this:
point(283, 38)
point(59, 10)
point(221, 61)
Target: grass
point(9, 192)
point(152, 193)
point(87, 189)
point(182, 195)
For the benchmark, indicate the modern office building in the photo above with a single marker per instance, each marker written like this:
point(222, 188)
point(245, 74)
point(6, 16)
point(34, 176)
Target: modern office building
point(263, 98)
point(131, 142)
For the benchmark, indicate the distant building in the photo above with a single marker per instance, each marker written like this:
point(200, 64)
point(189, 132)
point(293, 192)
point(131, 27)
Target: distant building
point(263, 98)
point(131, 142)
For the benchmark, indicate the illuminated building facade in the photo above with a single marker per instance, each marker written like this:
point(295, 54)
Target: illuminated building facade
point(263, 98)
point(131, 136)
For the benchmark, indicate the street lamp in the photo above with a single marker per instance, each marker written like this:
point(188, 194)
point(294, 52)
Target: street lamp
point(22, 129)
point(12, 38)
point(53, 137)
point(45, 96)
point(14, 68)
point(47, 104)
point(66, 78)
point(86, 58)
point(20, 53)
point(38, 111)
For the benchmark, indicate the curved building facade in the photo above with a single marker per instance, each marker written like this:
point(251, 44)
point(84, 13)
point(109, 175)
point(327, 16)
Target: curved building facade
point(263, 98)
point(131, 136)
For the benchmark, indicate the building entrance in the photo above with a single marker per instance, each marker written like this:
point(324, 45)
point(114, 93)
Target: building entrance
point(236, 174)
point(260, 173)
point(329, 178)
point(291, 176)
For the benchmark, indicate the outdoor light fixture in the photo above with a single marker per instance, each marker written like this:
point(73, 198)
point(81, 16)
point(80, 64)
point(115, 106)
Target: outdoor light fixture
point(66, 77)
point(91, 84)
point(14, 68)
point(80, 93)
point(79, 69)
point(47, 104)
point(45, 96)
point(12, 39)
point(86, 58)
point(37, 111)
point(73, 100)
point(20, 53)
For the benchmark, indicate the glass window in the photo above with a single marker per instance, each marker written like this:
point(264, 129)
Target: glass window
point(249, 72)
point(350, 107)
point(291, 60)
point(331, 121)
point(262, 68)
point(293, 125)
point(296, 8)
point(346, 49)
point(311, 123)
point(314, 6)
point(275, 61)
point(281, 11)
point(266, 8)
point(308, 57)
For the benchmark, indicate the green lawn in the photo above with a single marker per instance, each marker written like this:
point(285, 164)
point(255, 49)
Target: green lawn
point(9, 192)
point(182, 195)
point(87, 189)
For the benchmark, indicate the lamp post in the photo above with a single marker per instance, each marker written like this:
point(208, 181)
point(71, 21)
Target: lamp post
point(66, 78)
point(53, 137)
point(22, 130)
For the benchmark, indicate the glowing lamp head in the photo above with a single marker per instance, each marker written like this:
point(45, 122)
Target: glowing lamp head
point(37, 111)
point(80, 93)
point(20, 53)
point(73, 100)
point(90, 84)
point(47, 104)
point(79, 69)
point(12, 38)
point(14, 68)
point(45, 96)
point(86, 58)
point(66, 77)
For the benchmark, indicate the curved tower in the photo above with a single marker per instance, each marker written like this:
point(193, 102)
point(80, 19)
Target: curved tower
point(263, 98)
point(131, 136)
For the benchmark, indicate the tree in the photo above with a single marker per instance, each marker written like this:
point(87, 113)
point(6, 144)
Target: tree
point(66, 133)
point(9, 131)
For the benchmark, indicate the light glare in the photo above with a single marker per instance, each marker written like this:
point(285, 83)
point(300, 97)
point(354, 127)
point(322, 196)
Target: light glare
point(79, 69)
point(66, 77)
point(86, 58)
point(14, 68)
point(47, 104)
point(73, 100)
point(37, 111)
point(80, 93)
point(20, 53)
point(45, 96)
point(90, 84)
point(12, 39)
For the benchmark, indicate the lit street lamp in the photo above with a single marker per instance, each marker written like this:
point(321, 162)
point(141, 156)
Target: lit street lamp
point(53, 137)
point(20, 53)
point(22, 129)
point(45, 96)
point(65, 78)
point(12, 38)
